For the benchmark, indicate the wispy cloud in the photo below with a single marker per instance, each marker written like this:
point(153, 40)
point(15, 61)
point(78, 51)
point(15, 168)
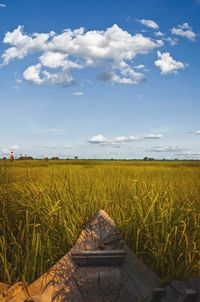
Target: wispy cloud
point(54, 146)
point(2, 5)
point(190, 154)
point(184, 30)
point(159, 34)
point(103, 140)
point(149, 23)
point(78, 93)
point(53, 130)
point(153, 136)
point(167, 148)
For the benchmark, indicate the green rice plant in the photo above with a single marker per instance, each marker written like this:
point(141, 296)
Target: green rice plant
point(44, 206)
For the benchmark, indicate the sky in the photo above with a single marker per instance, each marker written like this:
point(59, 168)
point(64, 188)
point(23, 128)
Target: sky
point(100, 79)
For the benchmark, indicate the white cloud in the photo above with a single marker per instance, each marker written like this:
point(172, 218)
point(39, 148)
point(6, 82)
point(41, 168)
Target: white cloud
point(61, 78)
point(140, 66)
point(113, 77)
point(125, 139)
point(2, 5)
point(197, 132)
point(184, 30)
point(32, 74)
point(167, 64)
point(171, 41)
point(103, 140)
point(149, 23)
point(159, 34)
point(76, 49)
point(23, 44)
point(153, 136)
point(99, 139)
point(56, 60)
point(167, 148)
point(35, 75)
point(127, 74)
point(78, 93)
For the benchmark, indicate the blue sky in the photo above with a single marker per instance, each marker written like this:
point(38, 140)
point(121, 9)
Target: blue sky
point(100, 79)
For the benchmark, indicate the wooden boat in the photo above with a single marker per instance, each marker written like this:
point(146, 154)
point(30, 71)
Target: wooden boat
point(100, 268)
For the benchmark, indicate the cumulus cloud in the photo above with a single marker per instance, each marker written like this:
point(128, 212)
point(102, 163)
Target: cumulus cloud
point(99, 139)
point(115, 78)
point(2, 5)
point(35, 75)
point(197, 132)
point(149, 23)
point(184, 30)
point(32, 74)
point(59, 54)
point(167, 64)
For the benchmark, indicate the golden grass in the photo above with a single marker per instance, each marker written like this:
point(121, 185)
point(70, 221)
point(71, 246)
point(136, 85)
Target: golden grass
point(45, 204)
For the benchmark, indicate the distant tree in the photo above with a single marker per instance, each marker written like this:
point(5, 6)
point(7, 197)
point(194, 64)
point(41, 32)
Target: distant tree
point(55, 158)
point(145, 158)
point(25, 157)
point(4, 158)
point(75, 157)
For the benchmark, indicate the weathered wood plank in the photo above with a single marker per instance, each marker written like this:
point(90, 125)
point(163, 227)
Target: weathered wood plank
point(88, 283)
point(157, 294)
point(105, 257)
point(143, 278)
point(188, 295)
point(128, 291)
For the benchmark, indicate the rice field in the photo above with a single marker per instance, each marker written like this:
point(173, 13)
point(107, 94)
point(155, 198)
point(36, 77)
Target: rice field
point(45, 204)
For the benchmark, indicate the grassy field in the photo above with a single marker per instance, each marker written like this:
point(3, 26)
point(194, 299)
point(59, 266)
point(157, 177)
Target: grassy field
point(45, 204)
